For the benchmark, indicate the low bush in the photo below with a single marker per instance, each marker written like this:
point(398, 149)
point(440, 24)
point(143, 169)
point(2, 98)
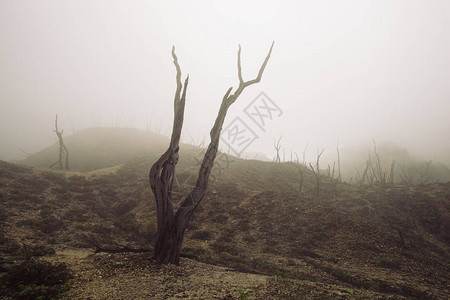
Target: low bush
point(36, 279)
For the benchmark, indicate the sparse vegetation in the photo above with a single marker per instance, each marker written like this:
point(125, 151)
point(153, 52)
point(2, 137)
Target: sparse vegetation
point(36, 279)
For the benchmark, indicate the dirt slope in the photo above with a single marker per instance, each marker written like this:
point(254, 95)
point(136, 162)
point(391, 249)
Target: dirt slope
point(361, 241)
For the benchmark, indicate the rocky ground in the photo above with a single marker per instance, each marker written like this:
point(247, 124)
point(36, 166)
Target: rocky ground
point(137, 276)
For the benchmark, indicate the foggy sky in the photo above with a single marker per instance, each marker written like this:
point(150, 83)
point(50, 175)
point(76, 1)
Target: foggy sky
point(345, 71)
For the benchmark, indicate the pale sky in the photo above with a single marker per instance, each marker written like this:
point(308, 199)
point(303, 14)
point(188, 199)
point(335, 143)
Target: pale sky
point(340, 70)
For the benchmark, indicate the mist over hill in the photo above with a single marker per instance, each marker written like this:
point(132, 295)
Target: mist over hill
point(406, 166)
point(97, 148)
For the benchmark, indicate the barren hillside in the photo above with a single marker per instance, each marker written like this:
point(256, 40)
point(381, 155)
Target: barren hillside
point(254, 235)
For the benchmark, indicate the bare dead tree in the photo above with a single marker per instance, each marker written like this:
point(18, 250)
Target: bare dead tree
point(414, 175)
point(379, 175)
point(299, 167)
point(171, 226)
point(304, 155)
point(391, 174)
point(358, 176)
point(317, 179)
point(407, 179)
point(297, 160)
point(339, 163)
point(63, 152)
point(318, 159)
point(361, 179)
point(317, 171)
point(425, 176)
point(277, 146)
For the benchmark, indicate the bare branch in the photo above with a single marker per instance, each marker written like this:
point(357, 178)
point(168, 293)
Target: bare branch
point(178, 78)
point(56, 123)
point(318, 158)
point(241, 81)
point(243, 84)
point(304, 154)
point(261, 70)
point(391, 176)
point(227, 94)
point(296, 158)
point(317, 178)
point(339, 163)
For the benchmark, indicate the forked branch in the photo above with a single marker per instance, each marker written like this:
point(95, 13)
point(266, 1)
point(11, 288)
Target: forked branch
point(242, 83)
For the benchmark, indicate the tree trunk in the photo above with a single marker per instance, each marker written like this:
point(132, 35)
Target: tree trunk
point(168, 243)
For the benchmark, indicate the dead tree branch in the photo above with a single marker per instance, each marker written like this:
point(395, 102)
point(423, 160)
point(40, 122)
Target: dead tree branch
point(424, 176)
point(300, 171)
point(339, 163)
point(277, 147)
point(317, 171)
point(392, 174)
point(63, 152)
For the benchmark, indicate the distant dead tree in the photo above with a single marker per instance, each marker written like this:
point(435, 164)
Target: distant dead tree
point(197, 143)
point(414, 175)
point(171, 226)
point(299, 167)
point(407, 179)
point(317, 171)
point(339, 163)
point(391, 174)
point(425, 175)
point(304, 155)
point(380, 177)
point(63, 152)
point(361, 179)
point(331, 170)
point(373, 172)
point(277, 147)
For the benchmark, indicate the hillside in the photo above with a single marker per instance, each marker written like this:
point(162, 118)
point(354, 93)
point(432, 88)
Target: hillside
point(254, 235)
point(97, 148)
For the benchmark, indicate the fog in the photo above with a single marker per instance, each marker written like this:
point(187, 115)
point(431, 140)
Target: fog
point(340, 71)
